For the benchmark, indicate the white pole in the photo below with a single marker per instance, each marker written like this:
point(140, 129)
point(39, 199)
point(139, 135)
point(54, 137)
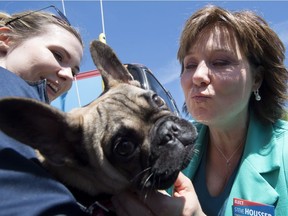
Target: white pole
point(102, 17)
point(75, 79)
point(63, 6)
point(77, 91)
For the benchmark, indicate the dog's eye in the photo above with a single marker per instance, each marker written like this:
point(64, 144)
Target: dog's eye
point(158, 100)
point(124, 148)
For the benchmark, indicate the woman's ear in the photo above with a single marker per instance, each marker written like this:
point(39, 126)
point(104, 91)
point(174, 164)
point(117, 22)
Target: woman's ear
point(4, 39)
point(258, 77)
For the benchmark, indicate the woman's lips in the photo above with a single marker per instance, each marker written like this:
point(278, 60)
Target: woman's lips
point(200, 98)
point(52, 86)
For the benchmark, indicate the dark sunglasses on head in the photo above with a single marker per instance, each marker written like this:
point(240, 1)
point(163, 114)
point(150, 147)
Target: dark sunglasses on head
point(61, 17)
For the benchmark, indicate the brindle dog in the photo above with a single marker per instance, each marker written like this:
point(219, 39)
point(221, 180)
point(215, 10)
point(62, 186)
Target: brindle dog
point(125, 138)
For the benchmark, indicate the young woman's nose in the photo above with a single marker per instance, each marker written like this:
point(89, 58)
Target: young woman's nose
point(201, 74)
point(66, 73)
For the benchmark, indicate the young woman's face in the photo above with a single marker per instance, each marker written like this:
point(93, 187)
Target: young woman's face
point(54, 55)
point(217, 79)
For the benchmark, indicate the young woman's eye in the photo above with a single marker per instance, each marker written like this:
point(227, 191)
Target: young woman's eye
point(58, 56)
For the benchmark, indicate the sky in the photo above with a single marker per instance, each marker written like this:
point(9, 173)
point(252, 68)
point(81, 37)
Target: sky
point(145, 32)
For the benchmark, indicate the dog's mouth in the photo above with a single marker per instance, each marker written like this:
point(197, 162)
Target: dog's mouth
point(163, 173)
point(158, 181)
point(172, 145)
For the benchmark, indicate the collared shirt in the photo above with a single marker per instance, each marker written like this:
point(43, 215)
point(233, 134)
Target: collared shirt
point(263, 171)
point(211, 205)
point(13, 85)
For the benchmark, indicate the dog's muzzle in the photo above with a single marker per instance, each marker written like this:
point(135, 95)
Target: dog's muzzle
point(172, 142)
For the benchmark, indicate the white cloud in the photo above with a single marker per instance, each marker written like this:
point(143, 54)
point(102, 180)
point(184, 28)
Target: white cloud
point(282, 30)
point(169, 72)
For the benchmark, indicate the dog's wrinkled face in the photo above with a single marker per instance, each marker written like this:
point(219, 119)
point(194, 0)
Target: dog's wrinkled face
point(126, 137)
point(149, 149)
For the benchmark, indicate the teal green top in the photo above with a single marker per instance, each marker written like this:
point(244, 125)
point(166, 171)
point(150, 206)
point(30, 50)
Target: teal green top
point(263, 172)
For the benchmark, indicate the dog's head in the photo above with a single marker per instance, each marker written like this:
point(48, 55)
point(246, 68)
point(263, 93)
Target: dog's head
point(126, 137)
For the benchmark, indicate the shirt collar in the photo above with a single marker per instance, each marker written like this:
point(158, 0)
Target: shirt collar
point(40, 87)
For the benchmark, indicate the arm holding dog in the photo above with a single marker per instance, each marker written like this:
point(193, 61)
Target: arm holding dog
point(184, 202)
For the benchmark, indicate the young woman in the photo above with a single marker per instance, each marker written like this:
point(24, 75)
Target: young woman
point(39, 55)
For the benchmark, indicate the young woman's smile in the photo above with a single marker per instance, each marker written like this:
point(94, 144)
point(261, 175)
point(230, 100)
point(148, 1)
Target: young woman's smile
point(54, 56)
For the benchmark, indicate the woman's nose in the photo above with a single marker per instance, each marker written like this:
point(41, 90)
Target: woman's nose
point(66, 73)
point(201, 74)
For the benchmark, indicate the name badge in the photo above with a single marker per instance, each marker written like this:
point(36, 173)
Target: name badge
point(248, 208)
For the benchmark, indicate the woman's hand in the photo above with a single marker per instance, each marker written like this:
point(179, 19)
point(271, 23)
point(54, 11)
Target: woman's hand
point(184, 202)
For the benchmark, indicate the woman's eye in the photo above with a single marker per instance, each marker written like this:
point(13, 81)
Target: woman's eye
point(190, 66)
point(221, 63)
point(58, 56)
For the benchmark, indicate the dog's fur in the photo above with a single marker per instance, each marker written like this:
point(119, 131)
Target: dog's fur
point(125, 138)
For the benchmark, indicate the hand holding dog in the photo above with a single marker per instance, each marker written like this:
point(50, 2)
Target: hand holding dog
point(184, 202)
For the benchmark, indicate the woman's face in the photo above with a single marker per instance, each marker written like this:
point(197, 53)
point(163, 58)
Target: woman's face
point(54, 55)
point(217, 79)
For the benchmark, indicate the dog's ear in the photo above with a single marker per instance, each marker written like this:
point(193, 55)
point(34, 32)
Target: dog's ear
point(110, 67)
point(42, 127)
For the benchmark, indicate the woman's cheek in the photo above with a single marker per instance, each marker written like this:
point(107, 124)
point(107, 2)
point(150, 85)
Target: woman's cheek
point(185, 82)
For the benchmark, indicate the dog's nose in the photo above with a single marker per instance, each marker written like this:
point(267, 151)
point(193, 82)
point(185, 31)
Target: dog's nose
point(173, 132)
point(168, 132)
